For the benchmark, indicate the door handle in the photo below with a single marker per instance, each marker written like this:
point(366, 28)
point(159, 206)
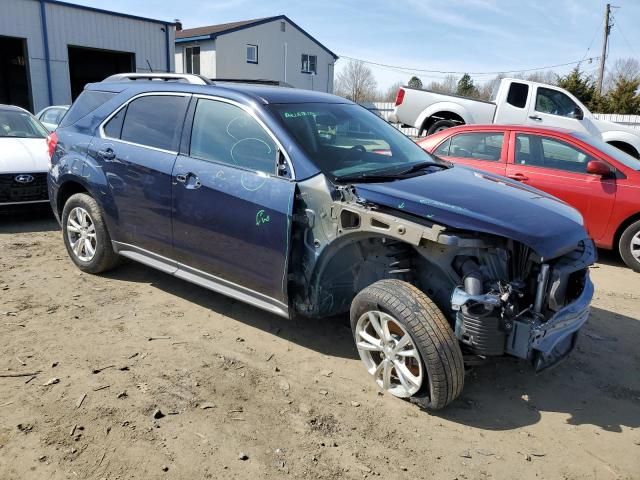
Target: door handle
point(520, 177)
point(190, 180)
point(107, 154)
point(535, 117)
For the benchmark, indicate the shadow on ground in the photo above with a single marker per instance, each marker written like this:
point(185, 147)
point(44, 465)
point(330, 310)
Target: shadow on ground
point(25, 220)
point(329, 336)
point(599, 384)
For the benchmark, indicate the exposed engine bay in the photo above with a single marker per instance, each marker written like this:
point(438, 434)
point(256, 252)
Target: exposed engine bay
point(500, 297)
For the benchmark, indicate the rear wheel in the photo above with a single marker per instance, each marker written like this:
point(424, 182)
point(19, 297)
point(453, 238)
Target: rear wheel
point(85, 235)
point(406, 343)
point(629, 246)
point(440, 125)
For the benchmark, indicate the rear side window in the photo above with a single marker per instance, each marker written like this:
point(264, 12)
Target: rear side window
point(86, 103)
point(153, 121)
point(113, 127)
point(477, 146)
point(518, 93)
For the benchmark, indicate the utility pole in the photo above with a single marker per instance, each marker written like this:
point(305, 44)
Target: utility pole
point(605, 41)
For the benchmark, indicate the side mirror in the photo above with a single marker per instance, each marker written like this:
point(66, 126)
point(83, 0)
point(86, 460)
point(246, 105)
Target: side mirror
point(598, 167)
point(577, 113)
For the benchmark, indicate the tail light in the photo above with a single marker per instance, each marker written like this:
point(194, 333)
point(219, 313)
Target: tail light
point(400, 96)
point(52, 142)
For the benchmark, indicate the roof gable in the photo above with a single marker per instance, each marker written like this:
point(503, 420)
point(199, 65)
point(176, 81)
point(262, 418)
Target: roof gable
point(213, 31)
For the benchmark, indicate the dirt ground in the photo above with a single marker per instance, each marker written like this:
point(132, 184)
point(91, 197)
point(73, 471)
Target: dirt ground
point(292, 397)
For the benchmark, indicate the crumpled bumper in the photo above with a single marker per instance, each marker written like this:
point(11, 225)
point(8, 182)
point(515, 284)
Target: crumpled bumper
point(546, 343)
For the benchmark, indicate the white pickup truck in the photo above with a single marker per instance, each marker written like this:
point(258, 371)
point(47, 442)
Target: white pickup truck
point(514, 102)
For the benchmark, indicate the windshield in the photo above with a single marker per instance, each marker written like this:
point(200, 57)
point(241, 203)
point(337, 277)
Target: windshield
point(615, 153)
point(347, 140)
point(20, 125)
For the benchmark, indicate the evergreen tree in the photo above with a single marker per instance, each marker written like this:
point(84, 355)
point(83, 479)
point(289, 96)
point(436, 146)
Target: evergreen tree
point(582, 87)
point(623, 97)
point(466, 88)
point(415, 82)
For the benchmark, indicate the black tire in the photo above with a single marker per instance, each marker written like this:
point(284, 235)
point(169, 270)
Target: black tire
point(431, 334)
point(104, 258)
point(627, 248)
point(440, 125)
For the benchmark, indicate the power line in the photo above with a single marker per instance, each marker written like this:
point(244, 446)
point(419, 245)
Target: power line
point(442, 72)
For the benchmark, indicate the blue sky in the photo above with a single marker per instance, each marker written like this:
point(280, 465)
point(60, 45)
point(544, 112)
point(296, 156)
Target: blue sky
point(447, 35)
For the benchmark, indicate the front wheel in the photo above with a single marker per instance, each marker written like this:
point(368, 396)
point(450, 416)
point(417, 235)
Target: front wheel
point(406, 343)
point(629, 246)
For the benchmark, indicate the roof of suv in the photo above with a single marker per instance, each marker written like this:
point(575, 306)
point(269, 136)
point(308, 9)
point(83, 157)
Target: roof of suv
point(262, 93)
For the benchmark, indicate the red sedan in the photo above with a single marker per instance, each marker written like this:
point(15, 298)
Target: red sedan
point(599, 180)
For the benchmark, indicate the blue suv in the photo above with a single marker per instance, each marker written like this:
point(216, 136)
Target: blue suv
point(303, 203)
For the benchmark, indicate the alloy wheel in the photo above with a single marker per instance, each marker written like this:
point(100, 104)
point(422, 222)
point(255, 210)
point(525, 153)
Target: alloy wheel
point(635, 246)
point(389, 354)
point(81, 233)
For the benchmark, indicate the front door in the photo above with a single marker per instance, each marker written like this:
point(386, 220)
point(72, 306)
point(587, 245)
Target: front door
point(232, 214)
point(554, 108)
point(556, 167)
point(137, 149)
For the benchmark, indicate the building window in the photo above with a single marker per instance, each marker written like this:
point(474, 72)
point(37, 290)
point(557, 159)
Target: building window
point(283, 26)
point(192, 60)
point(252, 54)
point(309, 63)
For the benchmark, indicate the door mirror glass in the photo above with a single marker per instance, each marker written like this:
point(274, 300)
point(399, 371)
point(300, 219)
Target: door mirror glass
point(598, 167)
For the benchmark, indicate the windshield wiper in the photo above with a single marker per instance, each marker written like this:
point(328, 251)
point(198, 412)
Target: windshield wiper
point(422, 165)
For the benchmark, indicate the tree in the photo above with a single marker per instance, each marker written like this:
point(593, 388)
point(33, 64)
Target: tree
point(623, 97)
point(579, 85)
point(415, 82)
point(449, 84)
point(356, 82)
point(390, 93)
point(466, 88)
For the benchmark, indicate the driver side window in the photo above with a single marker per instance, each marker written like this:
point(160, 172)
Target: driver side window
point(225, 133)
point(555, 102)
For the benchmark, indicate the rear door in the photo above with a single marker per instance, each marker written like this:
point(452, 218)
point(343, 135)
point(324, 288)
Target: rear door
point(232, 213)
point(137, 148)
point(557, 167)
point(482, 150)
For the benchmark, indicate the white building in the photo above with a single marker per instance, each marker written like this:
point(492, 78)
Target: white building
point(272, 48)
point(50, 49)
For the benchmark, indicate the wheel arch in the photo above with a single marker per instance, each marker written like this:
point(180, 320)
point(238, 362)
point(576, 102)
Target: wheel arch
point(356, 260)
point(443, 111)
point(622, 227)
point(66, 190)
point(625, 147)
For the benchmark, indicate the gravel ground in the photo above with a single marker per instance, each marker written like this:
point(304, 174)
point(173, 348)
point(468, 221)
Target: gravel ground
point(144, 376)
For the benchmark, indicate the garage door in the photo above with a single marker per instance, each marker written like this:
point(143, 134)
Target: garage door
point(89, 65)
point(14, 83)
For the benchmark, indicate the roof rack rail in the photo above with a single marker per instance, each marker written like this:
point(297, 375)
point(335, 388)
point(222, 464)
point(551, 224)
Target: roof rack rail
point(166, 77)
point(276, 83)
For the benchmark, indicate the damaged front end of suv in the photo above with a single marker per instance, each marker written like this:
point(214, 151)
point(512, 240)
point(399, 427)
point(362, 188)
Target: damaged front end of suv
point(444, 269)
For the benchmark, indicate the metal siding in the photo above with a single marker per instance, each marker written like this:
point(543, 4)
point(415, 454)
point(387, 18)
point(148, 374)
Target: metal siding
point(84, 28)
point(231, 56)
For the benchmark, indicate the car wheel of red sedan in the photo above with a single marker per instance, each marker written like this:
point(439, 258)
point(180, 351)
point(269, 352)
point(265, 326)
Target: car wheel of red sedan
point(630, 246)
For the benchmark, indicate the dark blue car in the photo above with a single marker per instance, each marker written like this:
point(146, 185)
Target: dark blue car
point(303, 203)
